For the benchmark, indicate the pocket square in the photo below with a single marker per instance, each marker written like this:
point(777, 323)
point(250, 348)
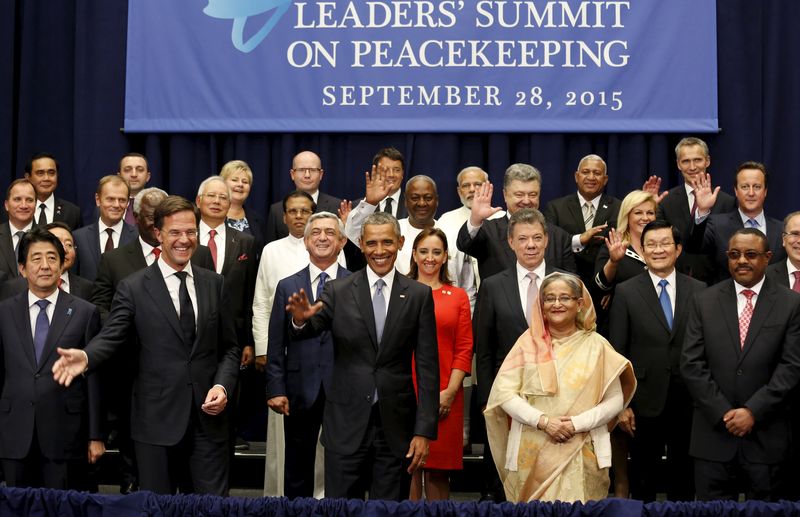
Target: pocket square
point(242, 257)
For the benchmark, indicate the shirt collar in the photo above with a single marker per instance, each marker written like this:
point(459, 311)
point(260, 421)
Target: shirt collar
point(757, 288)
point(522, 272)
point(32, 298)
point(168, 271)
point(594, 202)
point(688, 188)
point(373, 277)
point(117, 227)
point(790, 267)
point(314, 271)
point(204, 228)
point(760, 219)
point(146, 248)
point(50, 202)
point(656, 279)
point(14, 229)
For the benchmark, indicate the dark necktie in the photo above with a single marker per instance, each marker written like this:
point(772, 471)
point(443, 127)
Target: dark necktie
point(666, 304)
point(322, 278)
point(41, 330)
point(20, 234)
point(129, 217)
point(212, 246)
point(388, 206)
point(109, 241)
point(187, 311)
point(796, 285)
point(42, 216)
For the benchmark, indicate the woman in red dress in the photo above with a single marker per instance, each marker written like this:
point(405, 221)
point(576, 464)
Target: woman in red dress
point(454, 333)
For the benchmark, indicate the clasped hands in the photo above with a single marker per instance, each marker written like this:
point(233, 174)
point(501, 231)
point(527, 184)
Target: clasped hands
point(739, 422)
point(559, 428)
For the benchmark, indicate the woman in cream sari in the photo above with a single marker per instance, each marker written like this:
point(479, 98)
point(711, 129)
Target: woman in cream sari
point(555, 399)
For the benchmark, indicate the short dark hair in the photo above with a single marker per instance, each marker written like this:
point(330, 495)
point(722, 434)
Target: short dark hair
point(392, 154)
point(16, 182)
point(172, 205)
point(37, 234)
point(660, 224)
point(135, 155)
point(751, 165)
point(57, 224)
point(526, 216)
point(38, 156)
point(299, 193)
point(751, 231)
point(413, 271)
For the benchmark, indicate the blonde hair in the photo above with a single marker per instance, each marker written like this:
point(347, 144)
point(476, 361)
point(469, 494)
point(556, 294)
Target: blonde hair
point(236, 166)
point(634, 199)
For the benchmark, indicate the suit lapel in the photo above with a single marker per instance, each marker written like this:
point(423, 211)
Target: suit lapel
point(648, 294)
point(22, 320)
point(512, 294)
point(129, 233)
point(575, 210)
point(397, 307)
point(62, 314)
point(231, 250)
point(501, 235)
point(94, 234)
point(764, 305)
point(156, 287)
point(7, 246)
point(727, 302)
point(363, 300)
point(137, 255)
point(202, 290)
point(681, 301)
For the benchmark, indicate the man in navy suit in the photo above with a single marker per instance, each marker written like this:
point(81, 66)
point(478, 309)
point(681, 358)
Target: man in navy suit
point(306, 173)
point(711, 232)
point(647, 325)
point(787, 272)
point(45, 430)
point(109, 231)
point(375, 429)
point(299, 372)
point(19, 205)
point(42, 171)
point(741, 361)
point(188, 360)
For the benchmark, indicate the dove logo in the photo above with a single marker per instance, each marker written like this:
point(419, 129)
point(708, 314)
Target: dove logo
point(240, 10)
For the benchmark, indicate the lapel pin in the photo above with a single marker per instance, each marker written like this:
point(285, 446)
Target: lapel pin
point(605, 206)
point(69, 311)
point(402, 296)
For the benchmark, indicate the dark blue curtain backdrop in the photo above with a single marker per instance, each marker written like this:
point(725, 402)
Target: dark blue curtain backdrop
point(62, 77)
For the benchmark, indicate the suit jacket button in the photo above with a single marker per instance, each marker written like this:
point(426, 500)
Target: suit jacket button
point(738, 372)
point(36, 376)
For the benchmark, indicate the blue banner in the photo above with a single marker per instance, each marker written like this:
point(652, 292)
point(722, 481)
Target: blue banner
point(422, 65)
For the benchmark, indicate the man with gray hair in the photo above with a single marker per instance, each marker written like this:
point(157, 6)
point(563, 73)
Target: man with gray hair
point(487, 239)
point(299, 372)
point(586, 214)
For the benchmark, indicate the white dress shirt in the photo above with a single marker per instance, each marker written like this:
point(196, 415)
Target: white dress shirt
point(13, 230)
point(147, 252)
point(360, 212)
point(174, 285)
point(49, 208)
point(33, 309)
point(65, 282)
point(117, 228)
point(741, 300)
point(388, 278)
point(791, 269)
point(314, 272)
point(219, 239)
point(523, 282)
point(671, 278)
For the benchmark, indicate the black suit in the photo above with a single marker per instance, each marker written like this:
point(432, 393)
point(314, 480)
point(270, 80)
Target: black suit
point(712, 235)
point(778, 272)
point(38, 417)
point(277, 229)
point(675, 210)
point(64, 212)
point(662, 405)
point(300, 370)
point(721, 375)
point(8, 261)
point(239, 269)
point(567, 213)
point(490, 247)
point(164, 412)
point(87, 247)
point(78, 286)
point(353, 423)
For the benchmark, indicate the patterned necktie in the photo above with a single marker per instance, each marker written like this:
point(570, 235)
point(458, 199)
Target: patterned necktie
point(379, 308)
point(533, 291)
point(746, 316)
point(666, 304)
point(42, 216)
point(796, 285)
point(41, 330)
point(212, 246)
point(320, 285)
point(588, 215)
point(187, 311)
point(751, 223)
point(388, 206)
point(109, 240)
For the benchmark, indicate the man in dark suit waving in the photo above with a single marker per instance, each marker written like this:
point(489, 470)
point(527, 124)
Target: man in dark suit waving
point(187, 364)
point(740, 361)
point(375, 429)
point(647, 325)
point(45, 431)
point(299, 372)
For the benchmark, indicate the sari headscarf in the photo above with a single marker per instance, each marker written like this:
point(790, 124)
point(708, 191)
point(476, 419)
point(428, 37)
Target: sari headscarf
point(529, 462)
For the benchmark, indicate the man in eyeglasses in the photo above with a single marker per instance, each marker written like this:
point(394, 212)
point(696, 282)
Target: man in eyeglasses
point(711, 231)
point(741, 362)
point(306, 173)
point(647, 325)
point(788, 272)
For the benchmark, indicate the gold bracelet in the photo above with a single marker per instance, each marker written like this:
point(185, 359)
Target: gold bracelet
point(546, 421)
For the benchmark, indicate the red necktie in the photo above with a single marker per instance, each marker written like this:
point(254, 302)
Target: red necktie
point(157, 252)
point(212, 246)
point(109, 241)
point(796, 286)
point(746, 316)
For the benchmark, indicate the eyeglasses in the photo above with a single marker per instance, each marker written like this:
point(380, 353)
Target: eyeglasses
point(214, 197)
point(294, 212)
point(308, 170)
point(749, 254)
point(563, 300)
point(792, 236)
point(655, 245)
point(175, 234)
